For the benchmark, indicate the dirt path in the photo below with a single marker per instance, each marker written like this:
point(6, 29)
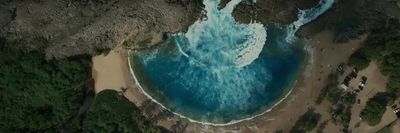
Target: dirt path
point(328, 56)
point(396, 126)
point(376, 83)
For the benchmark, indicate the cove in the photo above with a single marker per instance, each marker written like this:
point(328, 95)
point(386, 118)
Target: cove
point(221, 72)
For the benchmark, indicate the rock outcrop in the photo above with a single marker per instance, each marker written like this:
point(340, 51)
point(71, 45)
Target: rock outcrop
point(349, 19)
point(64, 28)
point(271, 11)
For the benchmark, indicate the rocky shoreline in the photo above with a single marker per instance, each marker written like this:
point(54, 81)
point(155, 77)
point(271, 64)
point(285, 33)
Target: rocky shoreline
point(68, 28)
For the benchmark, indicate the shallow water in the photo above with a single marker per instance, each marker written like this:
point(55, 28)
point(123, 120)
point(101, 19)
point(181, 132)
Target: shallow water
point(221, 71)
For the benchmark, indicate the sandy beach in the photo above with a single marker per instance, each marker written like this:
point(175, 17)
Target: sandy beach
point(111, 71)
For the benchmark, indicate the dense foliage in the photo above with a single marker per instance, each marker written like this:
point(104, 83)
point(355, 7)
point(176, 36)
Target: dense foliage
point(331, 90)
point(43, 96)
point(383, 46)
point(341, 113)
point(375, 108)
point(359, 60)
point(38, 95)
point(113, 113)
point(307, 122)
point(349, 99)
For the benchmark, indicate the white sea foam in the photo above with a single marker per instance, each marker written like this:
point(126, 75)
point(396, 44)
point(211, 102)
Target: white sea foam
point(218, 25)
point(306, 16)
point(180, 49)
point(228, 9)
point(201, 122)
point(225, 32)
point(254, 46)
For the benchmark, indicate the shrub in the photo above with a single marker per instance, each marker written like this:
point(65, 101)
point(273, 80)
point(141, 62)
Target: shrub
point(307, 122)
point(38, 95)
point(375, 108)
point(359, 60)
point(330, 90)
point(114, 113)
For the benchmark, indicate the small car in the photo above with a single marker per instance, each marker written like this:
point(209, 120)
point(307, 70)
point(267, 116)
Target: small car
point(396, 110)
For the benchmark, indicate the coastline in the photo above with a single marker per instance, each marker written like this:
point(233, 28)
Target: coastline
point(285, 93)
point(300, 97)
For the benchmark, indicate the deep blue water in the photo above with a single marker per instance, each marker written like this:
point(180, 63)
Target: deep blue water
point(195, 92)
point(221, 71)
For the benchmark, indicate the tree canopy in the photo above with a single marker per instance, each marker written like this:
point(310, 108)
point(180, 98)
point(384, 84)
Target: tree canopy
point(307, 122)
point(382, 46)
point(38, 95)
point(114, 113)
point(375, 108)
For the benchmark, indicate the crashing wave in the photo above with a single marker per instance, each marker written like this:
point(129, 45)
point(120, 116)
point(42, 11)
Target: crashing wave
point(212, 76)
point(221, 36)
point(306, 16)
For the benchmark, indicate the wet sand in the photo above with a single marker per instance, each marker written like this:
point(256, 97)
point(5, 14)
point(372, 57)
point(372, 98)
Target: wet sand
point(112, 72)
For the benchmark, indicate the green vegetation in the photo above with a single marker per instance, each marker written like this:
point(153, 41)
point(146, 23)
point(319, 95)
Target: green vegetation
point(42, 96)
point(342, 101)
point(345, 117)
point(359, 60)
point(114, 113)
point(307, 122)
point(383, 46)
point(331, 90)
point(387, 128)
point(38, 95)
point(349, 99)
point(375, 108)
point(342, 112)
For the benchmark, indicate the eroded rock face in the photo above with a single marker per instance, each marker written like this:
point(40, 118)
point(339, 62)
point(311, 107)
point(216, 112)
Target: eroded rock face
point(271, 11)
point(66, 28)
point(348, 19)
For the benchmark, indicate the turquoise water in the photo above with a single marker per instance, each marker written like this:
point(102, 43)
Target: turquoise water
point(221, 71)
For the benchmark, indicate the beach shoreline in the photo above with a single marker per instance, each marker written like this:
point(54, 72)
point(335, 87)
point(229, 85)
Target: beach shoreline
point(285, 93)
point(280, 118)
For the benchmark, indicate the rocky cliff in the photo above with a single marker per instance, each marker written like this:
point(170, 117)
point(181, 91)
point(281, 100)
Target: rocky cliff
point(63, 28)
